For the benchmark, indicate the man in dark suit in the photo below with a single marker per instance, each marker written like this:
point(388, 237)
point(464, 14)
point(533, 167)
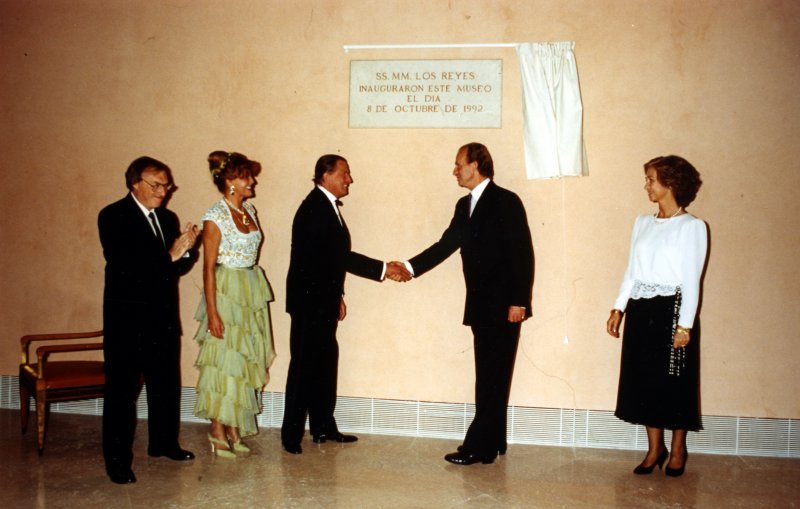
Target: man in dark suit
point(491, 229)
point(145, 254)
point(320, 256)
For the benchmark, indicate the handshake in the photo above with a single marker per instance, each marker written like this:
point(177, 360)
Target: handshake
point(397, 271)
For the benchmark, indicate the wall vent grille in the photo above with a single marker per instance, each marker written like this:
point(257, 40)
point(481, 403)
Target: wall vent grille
point(734, 435)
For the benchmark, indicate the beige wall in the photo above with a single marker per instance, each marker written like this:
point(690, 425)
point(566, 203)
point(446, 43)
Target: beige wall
point(88, 86)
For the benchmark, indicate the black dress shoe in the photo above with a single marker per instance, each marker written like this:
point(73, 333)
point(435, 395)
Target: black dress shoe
point(466, 458)
point(334, 437)
point(121, 475)
point(176, 454)
point(293, 448)
point(501, 451)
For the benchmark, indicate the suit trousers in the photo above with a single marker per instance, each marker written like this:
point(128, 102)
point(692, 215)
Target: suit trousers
point(312, 378)
point(495, 354)
point(128, 359)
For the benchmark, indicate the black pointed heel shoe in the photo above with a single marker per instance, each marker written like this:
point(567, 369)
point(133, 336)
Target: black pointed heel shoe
point(677, 472)
point(643, 470)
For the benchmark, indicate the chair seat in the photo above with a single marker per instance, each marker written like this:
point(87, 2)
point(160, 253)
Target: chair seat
point(72, 374)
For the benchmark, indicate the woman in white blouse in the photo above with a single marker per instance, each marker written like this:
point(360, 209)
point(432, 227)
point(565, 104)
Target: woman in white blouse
point(659, 296)
point(235, 338)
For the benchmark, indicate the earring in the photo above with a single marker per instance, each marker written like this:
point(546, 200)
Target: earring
point(232, 190)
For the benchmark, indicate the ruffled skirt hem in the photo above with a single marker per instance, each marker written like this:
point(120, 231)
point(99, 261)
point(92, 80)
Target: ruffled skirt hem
point(233, 368)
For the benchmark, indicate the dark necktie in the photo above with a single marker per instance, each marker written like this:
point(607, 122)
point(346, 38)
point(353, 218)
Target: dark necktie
point(341, 218)
point(156, 228)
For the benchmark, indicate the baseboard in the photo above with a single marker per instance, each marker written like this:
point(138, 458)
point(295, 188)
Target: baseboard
point(566, 427)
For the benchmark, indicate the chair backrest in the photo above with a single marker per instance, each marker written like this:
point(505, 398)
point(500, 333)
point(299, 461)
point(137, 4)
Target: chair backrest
point(47, 381)
point(44, 351)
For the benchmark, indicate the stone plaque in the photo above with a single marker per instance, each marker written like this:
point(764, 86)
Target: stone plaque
point(426, 93)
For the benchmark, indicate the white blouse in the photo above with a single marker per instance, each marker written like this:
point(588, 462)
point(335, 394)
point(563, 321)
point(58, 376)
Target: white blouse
point(666, 254)
point(236, 249)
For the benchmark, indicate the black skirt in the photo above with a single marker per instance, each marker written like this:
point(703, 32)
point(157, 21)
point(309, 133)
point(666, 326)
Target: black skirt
point(658, 385)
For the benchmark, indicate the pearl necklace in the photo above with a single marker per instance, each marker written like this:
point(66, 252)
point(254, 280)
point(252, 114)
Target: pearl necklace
point(245, 221)
point(670, 217)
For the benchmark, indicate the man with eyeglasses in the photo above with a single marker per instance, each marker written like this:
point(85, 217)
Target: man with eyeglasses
point(146, 253)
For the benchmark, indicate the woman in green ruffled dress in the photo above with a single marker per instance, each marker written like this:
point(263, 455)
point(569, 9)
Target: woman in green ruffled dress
point(235, 338)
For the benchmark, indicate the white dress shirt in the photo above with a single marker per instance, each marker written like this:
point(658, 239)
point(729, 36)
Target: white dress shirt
point(476, 193)
point(146, 213)
point(333, 201)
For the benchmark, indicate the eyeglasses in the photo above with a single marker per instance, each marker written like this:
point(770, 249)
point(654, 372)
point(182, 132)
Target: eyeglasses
point(158, 185)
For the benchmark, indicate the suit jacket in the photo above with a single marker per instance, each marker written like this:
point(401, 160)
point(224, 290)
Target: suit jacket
point(320, 257)
point(496, 254)
point(141, 280)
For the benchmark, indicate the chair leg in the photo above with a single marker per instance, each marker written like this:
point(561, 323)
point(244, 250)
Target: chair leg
point(41, 421)
point(24, 407)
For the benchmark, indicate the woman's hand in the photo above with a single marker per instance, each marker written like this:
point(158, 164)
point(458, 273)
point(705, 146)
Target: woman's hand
point(682, 337)
point(342, 309)
point(612, 325)
point(215, 325)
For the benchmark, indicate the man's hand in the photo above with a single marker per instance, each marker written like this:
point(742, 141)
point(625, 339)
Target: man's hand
point(516, 314)
point(396, 271)
point(184, 243)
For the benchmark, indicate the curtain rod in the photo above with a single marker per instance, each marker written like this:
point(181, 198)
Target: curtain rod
point(348, 47)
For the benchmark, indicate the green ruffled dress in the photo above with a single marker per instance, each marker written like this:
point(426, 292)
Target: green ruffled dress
point(235, 368)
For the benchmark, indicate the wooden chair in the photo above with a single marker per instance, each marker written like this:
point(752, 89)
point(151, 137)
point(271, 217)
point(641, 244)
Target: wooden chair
point(49, 381)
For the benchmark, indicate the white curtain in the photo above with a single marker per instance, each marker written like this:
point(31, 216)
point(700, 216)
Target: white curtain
point(552, 110)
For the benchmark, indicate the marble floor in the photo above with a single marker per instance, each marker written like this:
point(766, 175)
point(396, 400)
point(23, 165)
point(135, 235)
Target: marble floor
point(376, 472)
